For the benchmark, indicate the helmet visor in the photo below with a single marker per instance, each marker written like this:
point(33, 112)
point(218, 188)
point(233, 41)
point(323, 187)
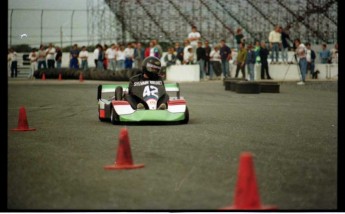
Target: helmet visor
point(153, 68)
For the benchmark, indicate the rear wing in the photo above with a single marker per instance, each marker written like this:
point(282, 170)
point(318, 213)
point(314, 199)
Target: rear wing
point(170, 87)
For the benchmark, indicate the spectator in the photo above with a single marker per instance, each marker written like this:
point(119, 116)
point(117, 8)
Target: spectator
point(250, 61)
point(105, 60)
point(159, 48)
point(325, 54)
point(193, 38)
point(100, 58)
point(301, 53)
point(58, 57)
point(185, 49)
point(285, 44)
point(120, 57)
point(241, 61)
point(179, 52)
point(310, 60)
point(263, 53)
point(215, 61)
point(84, 55)
point(33, 56)
point(207, 58)
point(170, 58)
point(41, 61)
point(74, 63)
point(96, 54)
point(239, 37)
point(275, 40)
point(257, 52)
point(334, 54)
point(139, 55)
point(50, 52)
point(188, 58)
point(225, 54)
point(12, 58)
point(110, 55)
point(129, 53)
point(148, 50)
point(153, 50)
point(200, 57)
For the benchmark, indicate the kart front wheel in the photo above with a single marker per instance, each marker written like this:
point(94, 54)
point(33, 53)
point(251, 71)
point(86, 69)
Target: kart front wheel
point(186, 116)
point(114, 117)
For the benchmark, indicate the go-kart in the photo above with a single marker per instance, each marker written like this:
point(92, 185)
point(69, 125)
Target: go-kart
point(117, 109)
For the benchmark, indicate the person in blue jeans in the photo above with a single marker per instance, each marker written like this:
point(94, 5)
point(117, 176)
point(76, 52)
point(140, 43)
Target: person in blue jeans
point(225, 55)
point(301, 53)
point(74, 53)
point(250, 61)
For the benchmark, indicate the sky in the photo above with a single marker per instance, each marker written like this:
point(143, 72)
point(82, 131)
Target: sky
point(26, 23)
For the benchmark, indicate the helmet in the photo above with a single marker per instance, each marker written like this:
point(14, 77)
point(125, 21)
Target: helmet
point(151, 66)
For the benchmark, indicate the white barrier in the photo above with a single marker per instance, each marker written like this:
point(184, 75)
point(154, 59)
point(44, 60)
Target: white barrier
point(183, 73)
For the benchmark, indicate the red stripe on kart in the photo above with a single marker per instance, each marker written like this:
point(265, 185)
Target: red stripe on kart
point(176, 102)
point(119, 102)
point(102, 113)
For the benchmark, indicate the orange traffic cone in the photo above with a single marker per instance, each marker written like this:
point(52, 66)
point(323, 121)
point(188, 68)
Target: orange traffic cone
point(124, 155)
point(43, 76)
point(246, 193)
point(23, 124)
point(81, 79)
point(60, 77)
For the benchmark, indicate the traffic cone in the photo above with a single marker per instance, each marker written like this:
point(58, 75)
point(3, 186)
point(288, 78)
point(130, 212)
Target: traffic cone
point(81, 79)
point(124, 155)
point(23, 124)
point(43, 76)
point(246, 192)
point(60, 77)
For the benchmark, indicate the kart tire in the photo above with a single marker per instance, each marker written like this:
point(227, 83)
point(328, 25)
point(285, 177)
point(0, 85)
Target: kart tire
point(186, 116)
point(118, 93)
point(114, 117)
point(248, 87)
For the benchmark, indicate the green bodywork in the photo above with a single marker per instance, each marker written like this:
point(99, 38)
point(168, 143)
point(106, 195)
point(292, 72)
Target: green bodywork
point(152, 115)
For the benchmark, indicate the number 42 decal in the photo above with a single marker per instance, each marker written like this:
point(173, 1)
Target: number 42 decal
point(150, 90)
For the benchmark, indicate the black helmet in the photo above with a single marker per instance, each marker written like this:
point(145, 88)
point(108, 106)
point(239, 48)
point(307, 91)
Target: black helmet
point(151, 67)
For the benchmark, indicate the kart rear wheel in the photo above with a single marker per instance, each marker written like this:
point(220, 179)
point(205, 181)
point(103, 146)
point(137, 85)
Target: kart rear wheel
point(186, 116)
point(114, 117)
point(118, 93)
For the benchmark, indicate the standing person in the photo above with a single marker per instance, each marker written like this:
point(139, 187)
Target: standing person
point(250, 61)
point(200, 57)
point(50, 52)
point(84, 55)
point(41, 61)
point(33, 56)
point(12, 58)
point(153, 50)
point(275, 40)
point(170, 58)
point(225, 54)
point(301, 53)
point(285, 44)
point(110, 55)
point(185, 49)
point(74, 63)
point(188, 58)
point(239, 37)
point(215, 61)
point(257, 52)
point(325, 54)
point(193, 38)
point(100, 58)
point(264, 52)
point(179, 52)
point(241, 61)
point(139, 55)
point(96, 54)
point(334, 54)
point(310, 60)
point(148, 50)
point(105, 60)
point(129, 53)
point(207, 58)
point(58, 57)
point(120, 58)
point(159, 48)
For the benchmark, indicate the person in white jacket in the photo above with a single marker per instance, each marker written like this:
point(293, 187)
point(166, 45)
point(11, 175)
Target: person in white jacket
point(33, 56)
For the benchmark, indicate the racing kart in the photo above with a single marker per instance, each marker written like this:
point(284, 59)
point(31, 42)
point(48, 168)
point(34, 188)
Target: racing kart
point(117, 109)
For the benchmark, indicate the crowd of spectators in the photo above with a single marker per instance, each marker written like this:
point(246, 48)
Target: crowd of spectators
point(213, 60)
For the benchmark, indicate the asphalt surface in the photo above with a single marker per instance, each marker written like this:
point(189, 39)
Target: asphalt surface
point(292, 135)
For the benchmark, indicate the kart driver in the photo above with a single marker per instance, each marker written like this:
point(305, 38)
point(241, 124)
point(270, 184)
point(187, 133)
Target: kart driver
point(149, 83)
